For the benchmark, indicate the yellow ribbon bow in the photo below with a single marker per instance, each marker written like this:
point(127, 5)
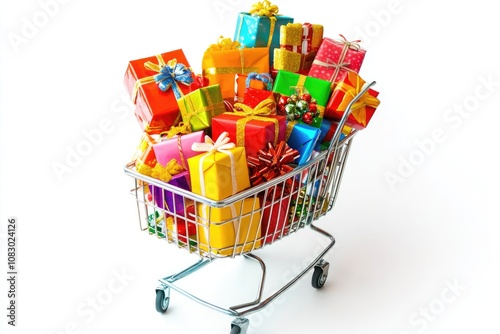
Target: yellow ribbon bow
point(265, 107)
point(166, 173)
point(223, 44)
point(181, 129)
point(351, 87)
point(264, 8)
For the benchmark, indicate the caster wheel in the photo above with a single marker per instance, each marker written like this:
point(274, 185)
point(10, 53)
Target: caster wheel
point(235, 330)
point(162, 300)
point(320, 274)
point(239, 326)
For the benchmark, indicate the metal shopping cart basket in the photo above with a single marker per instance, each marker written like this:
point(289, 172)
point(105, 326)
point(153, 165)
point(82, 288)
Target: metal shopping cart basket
point(289, 203)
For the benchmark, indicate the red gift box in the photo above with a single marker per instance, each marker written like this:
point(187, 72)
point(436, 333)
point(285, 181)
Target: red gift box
point(157, 110)
point(251, 128)
point(275, 215)
point(335, 57)
point(344, 92)
point(258, 88)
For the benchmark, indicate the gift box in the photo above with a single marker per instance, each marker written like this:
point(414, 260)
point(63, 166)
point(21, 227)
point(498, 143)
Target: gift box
point(167, 200)
point(275, 215)
point(220, 172)
point(177, 145)
point(302, 138)
point(145, 157)
point(231, 229)
point(288, 83)
point(251, 128)
point(154, 84)
point(328, 128)
point(222, 61)
point(183, 227)
point(156, 225)
point(198, 107)
point(335, 57)
point(260, 27)
point(344, 92)
point(298, 46)
point(253, 88)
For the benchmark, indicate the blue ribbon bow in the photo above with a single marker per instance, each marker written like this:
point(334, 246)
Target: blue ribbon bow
point(172, 74)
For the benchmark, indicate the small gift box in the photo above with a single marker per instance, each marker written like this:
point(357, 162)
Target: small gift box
point(344, 92)
point(328, 128)
point(220, 172)
point(252, 128)
point(144, 156)
point(335, 57)
point(288, 83)
point(165, 199)
point(302, 138)
point(154, 85)
point(222, 61)
point(229, 230)
point(298, 46)
point(177, 144)
point(253, 88)
point(260, 27)
point(198, 107)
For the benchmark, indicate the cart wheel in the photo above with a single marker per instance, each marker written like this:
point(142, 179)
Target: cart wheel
point(162, 300)
point(320, 274)
point(239, 326)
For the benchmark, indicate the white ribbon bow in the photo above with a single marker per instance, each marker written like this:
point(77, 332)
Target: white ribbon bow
point(221, 144)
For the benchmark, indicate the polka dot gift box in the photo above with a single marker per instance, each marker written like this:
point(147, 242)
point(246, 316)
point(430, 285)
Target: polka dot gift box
point(336, 57)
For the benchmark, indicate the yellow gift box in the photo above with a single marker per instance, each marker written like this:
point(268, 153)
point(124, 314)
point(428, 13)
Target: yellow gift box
point(220, 172)
point(234, 229)
point(222, 61)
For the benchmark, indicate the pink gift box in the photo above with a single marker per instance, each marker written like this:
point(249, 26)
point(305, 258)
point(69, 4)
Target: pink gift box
point(178, 147)
point(335, 57)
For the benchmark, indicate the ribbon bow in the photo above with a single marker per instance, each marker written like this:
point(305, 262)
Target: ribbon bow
point(181, 129)
point(265, 107)
point(352, 44)
point(221, 144)
point(264, 8)
point(223, 44)
point(166, 173)
point(352, 86)
point(171, 74)
point(263, 77)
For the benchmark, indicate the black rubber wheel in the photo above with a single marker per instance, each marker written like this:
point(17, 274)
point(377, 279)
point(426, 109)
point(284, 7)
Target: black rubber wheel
point(319, 277)
point(162, 301)
point(235, 329)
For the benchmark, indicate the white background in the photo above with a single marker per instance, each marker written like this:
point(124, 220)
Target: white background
point(399, 248)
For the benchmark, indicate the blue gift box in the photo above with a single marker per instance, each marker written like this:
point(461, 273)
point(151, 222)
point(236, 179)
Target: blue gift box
point(254, 31)
point(303, 138)
point(326, 127)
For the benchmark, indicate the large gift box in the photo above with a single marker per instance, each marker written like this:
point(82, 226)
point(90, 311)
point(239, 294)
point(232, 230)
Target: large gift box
point(260, 27)
point(198, 107)
point(251, 128)
point(222, 61)
point(299, 44)
point(219, 172)
point(344, 92)
point(154, 84)
point(232, 229)
point(335, 57)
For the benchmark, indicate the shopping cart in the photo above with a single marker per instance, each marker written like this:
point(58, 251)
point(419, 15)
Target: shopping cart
point(259, 217)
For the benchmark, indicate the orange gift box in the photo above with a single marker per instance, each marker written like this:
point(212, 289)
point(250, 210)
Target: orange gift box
point(157, 110)
point(221, 62)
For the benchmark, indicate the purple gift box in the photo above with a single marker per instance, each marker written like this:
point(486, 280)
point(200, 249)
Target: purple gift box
point(166, 199)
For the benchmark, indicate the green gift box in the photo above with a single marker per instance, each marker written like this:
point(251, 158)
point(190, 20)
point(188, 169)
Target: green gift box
point(198, 107)
point(288, 83)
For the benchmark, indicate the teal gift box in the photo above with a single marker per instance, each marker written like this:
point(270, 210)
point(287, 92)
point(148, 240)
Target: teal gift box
point(261, 28)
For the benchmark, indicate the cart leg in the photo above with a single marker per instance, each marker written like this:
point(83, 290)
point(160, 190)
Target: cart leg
point(239, 326)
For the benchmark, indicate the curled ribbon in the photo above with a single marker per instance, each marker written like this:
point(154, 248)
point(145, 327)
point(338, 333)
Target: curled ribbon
point(166, 173)
point(351, 87)
point(168, 75)
point(263, 77)
point(220, 145)
point(223, 44)
point(264, 8)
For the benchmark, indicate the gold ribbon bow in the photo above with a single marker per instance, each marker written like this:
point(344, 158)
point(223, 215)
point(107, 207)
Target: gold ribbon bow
point(264, 108)
point(181, 129)
point(264, 8)
point(351, 87)
point(223, 44)
point(163, 173)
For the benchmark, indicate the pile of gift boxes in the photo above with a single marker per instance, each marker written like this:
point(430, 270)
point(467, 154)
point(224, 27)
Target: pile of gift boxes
point(265, 101)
